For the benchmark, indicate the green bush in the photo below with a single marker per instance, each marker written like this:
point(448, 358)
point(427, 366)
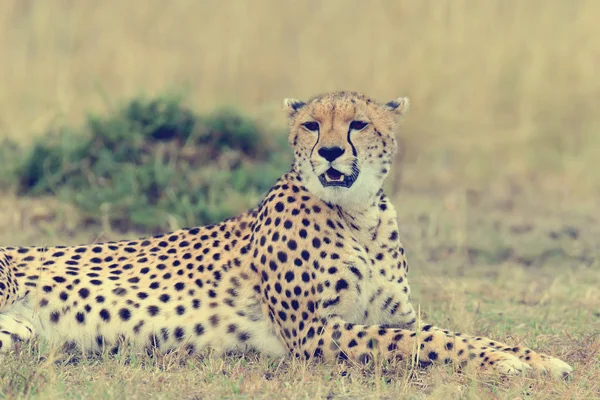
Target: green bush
point(154, 164)
point(9, 160)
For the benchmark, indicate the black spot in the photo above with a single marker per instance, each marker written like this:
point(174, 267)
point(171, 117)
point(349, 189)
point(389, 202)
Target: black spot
point(282, 257)
point(105, 315)
point(305, 255)
point(80, 317)
point(125, 314)
point(341, 285)
point(179, 286)
point(54, 316)
point(164, 298)
point(289, 276)
point(332, 302)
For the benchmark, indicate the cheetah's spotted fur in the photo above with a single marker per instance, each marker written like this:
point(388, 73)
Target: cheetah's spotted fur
point(316, 270)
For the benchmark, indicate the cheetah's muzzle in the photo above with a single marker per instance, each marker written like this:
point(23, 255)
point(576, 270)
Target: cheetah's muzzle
point(333, 177)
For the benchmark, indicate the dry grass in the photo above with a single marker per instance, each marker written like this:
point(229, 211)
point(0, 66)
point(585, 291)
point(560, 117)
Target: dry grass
point(499, 186)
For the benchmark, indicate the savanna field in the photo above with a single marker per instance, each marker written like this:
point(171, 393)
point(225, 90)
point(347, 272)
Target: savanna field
point(124, 119)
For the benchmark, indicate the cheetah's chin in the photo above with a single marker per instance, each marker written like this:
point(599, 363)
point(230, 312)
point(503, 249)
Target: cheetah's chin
point(333, 177)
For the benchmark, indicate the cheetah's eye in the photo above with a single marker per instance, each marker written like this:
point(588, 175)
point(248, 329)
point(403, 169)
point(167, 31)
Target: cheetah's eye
point(311, 126)
point(358, 125)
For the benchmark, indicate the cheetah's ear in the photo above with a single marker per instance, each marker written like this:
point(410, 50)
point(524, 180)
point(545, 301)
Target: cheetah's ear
point(400, 105)
point(293, 105)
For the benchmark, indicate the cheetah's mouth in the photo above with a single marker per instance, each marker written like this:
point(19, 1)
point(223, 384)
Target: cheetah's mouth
point(333, 177)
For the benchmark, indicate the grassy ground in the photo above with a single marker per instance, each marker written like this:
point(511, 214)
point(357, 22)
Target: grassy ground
point(497, 190)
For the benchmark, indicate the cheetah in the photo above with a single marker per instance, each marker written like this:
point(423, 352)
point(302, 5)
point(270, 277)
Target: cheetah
point(315, 271)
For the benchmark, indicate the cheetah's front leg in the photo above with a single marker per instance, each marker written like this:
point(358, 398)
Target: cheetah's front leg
point(336, 339)
point(538, 361)
point(339, 340)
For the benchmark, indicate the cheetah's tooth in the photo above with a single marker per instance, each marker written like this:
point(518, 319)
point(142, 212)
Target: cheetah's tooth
point(340, 179)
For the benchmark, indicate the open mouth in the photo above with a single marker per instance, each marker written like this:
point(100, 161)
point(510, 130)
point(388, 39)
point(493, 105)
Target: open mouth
point(333, 177)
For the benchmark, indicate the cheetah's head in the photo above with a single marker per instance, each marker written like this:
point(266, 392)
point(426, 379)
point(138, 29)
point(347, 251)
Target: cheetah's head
point(344, 144)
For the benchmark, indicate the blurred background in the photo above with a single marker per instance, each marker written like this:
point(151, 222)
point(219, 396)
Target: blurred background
point(504, 113)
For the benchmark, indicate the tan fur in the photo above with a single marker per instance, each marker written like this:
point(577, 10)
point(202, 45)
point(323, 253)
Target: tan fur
point(316, 270)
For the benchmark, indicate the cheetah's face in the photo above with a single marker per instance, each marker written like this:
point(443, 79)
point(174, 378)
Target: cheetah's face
point(344, 144)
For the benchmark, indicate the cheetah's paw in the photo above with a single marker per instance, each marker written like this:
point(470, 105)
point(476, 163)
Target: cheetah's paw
point(12, 331)
point(542, 363)
point(505, 363)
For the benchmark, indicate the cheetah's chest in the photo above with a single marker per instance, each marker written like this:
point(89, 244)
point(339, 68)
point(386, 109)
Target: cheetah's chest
point(382, 293)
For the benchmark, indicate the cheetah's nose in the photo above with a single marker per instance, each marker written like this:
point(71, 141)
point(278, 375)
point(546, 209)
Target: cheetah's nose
point(331, 153)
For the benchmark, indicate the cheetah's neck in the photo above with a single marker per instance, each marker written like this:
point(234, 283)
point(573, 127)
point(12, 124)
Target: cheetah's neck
point(363, 219)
